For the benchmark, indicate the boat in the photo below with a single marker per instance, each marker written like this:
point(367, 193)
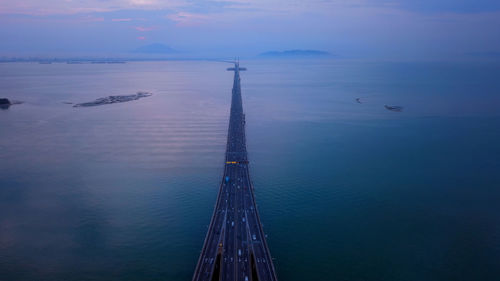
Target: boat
point(393, 107)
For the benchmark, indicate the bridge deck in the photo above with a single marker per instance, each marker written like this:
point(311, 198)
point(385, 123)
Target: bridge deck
point(235, 247)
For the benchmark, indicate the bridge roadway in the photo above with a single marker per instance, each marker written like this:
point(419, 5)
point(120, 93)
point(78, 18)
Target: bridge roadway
point(235, 247)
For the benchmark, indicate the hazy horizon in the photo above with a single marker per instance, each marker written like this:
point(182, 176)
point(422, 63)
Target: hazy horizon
point(399, 29)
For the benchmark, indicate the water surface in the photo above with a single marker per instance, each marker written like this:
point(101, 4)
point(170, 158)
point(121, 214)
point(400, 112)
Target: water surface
point(346, 191)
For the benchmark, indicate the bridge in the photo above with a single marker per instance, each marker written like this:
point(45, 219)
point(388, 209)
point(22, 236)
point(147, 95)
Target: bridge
point(235, 246)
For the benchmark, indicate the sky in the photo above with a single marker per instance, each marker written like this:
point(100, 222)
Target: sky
point(376, 29)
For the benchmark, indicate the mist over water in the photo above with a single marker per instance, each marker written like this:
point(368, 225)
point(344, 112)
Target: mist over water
point(345, 190)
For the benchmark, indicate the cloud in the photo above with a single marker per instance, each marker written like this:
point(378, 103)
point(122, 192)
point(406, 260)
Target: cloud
point(120, 20)
point(48, 7)
point(53, 7)
point(141, 38)
point(446, 6)
point(144, 2)
point(188, 19)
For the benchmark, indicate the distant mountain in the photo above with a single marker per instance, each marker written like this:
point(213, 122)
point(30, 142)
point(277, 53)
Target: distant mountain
point(155, 48)
point(294, 53)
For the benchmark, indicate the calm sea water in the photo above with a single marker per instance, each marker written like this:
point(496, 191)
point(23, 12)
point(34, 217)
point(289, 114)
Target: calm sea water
point(346, 191)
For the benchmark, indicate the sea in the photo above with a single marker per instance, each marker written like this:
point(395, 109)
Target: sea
point(346, 188)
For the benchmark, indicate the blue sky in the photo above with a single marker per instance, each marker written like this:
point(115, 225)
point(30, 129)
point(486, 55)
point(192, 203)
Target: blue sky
point(378, 29)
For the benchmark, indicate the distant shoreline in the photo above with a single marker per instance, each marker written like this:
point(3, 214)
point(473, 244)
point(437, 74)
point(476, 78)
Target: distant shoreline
point(295, 54)
point(123, 60)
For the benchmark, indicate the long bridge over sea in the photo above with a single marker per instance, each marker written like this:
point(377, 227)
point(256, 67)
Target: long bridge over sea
point(235, 246)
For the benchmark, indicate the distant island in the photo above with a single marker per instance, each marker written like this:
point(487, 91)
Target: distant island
point(5, 103)
point(294, 54)
point(113, 99)
point(155, 48)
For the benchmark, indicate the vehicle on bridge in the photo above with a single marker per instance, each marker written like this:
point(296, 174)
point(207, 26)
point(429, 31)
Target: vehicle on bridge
point(225, 239)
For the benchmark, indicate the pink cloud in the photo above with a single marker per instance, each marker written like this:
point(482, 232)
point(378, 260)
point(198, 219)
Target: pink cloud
point(120, 20)
point(189, 19)
point(141, 38)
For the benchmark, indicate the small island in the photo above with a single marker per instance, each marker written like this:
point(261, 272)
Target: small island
point(5, 103)
point(114, 99)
